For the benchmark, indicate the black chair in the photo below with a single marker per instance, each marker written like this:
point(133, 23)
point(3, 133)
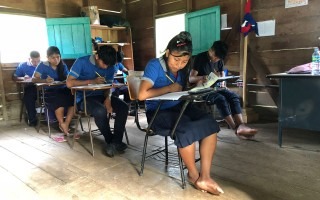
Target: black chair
point(134, 80)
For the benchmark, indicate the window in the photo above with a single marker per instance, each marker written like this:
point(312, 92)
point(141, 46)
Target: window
point(21, 34)
point(167, 28)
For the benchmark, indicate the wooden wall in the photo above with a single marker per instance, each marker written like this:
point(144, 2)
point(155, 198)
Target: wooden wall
point(45, 8)
point(297, 31)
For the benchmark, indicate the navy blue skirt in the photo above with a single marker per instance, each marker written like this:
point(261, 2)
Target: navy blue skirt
point(58, 97)
point(194, 125)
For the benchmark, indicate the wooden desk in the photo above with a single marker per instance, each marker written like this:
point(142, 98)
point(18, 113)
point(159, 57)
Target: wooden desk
point(84, 89)
point(42, 103)
point(21, 85)
point(299, 102)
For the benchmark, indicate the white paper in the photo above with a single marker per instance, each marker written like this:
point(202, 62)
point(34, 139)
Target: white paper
point(170, 96)
point(223, 21)
point(295, 3)
point(266, 28)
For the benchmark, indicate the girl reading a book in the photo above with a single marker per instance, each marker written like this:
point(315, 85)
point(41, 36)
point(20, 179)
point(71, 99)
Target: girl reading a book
point(169, 73)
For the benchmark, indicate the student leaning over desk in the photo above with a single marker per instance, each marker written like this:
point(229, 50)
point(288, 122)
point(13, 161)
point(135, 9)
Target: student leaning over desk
point(98, 69)
point(169, 74)
point(58, 98)
point(25, 71)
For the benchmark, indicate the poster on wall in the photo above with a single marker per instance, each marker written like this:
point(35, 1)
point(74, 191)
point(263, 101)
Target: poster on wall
point(295, 3)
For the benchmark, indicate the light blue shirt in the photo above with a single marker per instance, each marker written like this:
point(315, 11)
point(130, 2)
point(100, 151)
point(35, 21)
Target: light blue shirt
point(24, 68)
point(155, 73)
point(84, 68)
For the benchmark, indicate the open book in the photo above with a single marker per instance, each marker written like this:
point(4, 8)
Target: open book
point(211, 79)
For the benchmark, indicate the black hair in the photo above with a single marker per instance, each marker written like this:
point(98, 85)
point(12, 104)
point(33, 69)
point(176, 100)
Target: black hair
point(34, 54)
point(220, 49)
point(60, 68)
point(120, 56)
point(107, 54)
point(181, 43)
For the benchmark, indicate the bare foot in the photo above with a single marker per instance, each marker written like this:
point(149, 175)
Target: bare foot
point(245, 131)
point(193, 178)
point(64, 128)
point(208, 185)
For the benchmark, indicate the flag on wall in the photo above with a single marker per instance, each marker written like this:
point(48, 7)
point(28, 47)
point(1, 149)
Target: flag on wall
point(248, 23)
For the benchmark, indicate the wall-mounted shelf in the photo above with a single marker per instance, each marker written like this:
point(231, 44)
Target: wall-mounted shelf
point(226, 28)
point(117, 37)
point(113, 43)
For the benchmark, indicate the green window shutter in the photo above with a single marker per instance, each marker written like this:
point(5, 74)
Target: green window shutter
point(204, 27)
point(71, 35)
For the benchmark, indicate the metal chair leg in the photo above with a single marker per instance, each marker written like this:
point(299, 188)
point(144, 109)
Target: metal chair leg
point(48, 122)
point(126, 134)
point(166, 150)
point(91, 137)
point(144, 154)
point(183, 180)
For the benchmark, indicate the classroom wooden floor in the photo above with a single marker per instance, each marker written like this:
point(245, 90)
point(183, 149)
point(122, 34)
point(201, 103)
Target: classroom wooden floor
point(33, 166)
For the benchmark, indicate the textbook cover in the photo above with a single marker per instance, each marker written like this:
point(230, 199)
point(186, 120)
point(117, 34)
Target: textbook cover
point(211, 79)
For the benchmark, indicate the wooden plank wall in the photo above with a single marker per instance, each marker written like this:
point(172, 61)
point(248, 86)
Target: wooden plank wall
point(45, 8)
point(297, 31)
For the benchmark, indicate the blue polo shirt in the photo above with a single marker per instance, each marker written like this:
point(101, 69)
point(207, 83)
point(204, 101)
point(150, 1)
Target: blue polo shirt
point(45, 70)
point(155, 72)
point(24, 68)
point(84, 68)
point(119, 67)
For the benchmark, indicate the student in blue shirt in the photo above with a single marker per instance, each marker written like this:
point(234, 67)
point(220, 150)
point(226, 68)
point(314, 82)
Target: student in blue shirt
point(100, 103)
point(124, 89)
point(24, 72)
point(169, 73)
point(58, 98)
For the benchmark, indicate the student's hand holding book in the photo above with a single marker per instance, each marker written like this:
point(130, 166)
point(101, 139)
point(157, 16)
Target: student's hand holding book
point(210, 80)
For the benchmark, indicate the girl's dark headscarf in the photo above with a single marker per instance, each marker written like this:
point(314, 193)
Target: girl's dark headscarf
point(181, 43)
point(60, 68)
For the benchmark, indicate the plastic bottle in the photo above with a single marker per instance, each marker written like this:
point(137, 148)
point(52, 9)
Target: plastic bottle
point(315, 62)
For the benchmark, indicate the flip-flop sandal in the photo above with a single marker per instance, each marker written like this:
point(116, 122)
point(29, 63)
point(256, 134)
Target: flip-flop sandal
point(59, 138)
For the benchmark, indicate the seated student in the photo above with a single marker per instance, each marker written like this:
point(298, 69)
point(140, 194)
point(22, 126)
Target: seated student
point(25, 71)
point(169, 74)
point(227, 102)
point(58, 98)
point(100, 103)
point(124, 89)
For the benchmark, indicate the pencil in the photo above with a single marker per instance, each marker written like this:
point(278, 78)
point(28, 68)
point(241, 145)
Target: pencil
point(98, 74)
point(169, 78)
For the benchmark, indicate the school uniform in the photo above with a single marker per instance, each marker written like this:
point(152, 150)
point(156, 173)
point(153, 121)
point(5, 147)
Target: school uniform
point(84, 68)
point(55, 96)
point(195, 124)
point(30, 91)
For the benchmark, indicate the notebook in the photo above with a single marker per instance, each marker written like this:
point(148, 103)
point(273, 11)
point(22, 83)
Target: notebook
point(211, 79)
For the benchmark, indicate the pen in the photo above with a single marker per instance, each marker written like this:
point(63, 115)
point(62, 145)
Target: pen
point(100, 76)
point(169, 78)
